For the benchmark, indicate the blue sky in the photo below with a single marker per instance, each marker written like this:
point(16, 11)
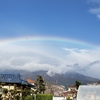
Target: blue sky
point(66, 18)
point(50, 35)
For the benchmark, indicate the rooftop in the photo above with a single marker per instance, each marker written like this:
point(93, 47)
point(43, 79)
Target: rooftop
point(30, 80)
point(12, 78)
point(72, 86)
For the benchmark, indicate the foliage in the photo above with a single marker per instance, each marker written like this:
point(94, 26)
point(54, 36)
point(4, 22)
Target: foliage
point(3, 83)
point(17, 97)
point(40, 84)
point(28, 97)
point(25, 93)
point(44, 97)
point(78, 84)
point(0, 96)
point(68, 98)
point(5, 91)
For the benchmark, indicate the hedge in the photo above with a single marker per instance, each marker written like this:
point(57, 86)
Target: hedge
point(28, 97)
point(44, 97)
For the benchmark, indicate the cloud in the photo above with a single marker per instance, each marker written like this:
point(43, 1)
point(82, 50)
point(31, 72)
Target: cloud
point(26, 60)
point(76, 67)
point(94, 1)
point(79, 55)
point(51, 73)
point(54, 59)
point(95, 11)
point(84, 61)
point(92, 69)
point(93, 63)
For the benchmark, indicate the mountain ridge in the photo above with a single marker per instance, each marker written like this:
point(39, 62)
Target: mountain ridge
point(65, 79)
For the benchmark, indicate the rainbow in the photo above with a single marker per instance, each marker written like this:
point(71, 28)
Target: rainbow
point(50, 39)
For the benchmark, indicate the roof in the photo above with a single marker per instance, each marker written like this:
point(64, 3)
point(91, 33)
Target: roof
point(70, 92)
point(30, 80)
point(12, 78)
point(72, 86)
point(86, 92)
point(73, 91)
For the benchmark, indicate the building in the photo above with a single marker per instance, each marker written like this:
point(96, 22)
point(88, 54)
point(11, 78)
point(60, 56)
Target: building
point(9, 80)
point(55, 90)
point(32, 82)
point(13, 82)
point(88, 92)
point(71, 92)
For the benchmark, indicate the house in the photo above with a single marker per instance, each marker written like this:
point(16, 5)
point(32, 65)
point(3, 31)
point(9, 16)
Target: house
point(10, 80)
point(71, 92)
point(32, 82)
point(72, 88)
point(54, 89)
point(13, 82)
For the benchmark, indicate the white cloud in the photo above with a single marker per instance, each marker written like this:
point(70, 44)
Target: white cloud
point(93, 69)
point(95, 11)
point(86, 61)
point(94, 1)
point(95, 7)
point(33, 58)
point(51, 73)
point(79, 55)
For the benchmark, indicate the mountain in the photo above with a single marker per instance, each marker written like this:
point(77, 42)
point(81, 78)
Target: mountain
point(65, 79)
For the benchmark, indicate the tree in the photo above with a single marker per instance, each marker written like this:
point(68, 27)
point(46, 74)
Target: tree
point(78, 84)
point(40, 85)
point(9, 86)
point(3, 83)
point(5, 91)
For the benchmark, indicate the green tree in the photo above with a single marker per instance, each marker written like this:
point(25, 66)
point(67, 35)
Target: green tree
point(5, 91)
point(25, 92)
point(78, 84)
point(40, 85)
point(0, 96)
point(3, 83)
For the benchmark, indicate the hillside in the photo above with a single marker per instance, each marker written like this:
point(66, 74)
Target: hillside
point(66, 79)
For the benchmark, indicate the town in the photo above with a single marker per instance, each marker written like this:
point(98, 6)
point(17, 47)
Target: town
point(49, 49)
point(12, 87)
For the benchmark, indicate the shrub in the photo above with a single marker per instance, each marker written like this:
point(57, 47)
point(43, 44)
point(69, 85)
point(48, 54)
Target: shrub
point(44, 97)
point(68, 98)
point(17, 97)
point(28, 97)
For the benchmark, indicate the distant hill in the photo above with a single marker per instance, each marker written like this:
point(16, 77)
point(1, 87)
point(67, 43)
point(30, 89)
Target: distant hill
point(66, 79)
